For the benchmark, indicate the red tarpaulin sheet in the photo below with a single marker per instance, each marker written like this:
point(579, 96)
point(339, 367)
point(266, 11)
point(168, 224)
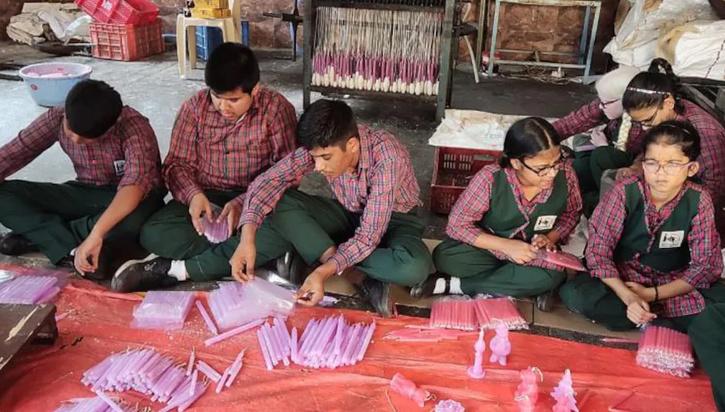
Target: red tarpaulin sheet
point(96, 324)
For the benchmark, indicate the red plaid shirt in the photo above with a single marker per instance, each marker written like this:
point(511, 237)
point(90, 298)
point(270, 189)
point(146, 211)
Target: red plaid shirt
point(127, 154)
point(474, 202)
point(706, 264)
point(586, 118)
point(383, 183)
point(208, 151)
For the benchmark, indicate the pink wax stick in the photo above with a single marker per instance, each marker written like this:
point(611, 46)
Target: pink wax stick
point(113, 405)
point(190, 365)
point(283, 335)
point(271, 348)
point(350, 344)
point(307, 337)
point(233, 332)
point(293, 345)
point(263, 347)
point(193, 399)
point(368, 338)
point(194, 378)
point(276, 342)
point(207, 370)
point(223, 380)
point(324, 337)
point(236, 367)
point(306, 331)
point(207, 319)
point(339, 333)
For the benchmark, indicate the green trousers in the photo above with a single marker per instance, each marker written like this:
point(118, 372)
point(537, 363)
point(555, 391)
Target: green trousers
point(482, 272)
point(169, 233)
point(313, 224)
point(58, 217)
point(595, 300)
point(589, 168)
point(707, 334)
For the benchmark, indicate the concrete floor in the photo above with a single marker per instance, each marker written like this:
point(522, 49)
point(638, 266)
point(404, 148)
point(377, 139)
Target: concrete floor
point(154, 88)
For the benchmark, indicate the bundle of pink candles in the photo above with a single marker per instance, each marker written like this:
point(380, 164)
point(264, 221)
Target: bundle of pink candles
point(30, 289)
point(234, 304)
point(453, 312)
point(463, 313)
point(325, 343)
point(163, 310)
point(493, 311)
point(158, 376)
point(216, 231)
point(665, 350)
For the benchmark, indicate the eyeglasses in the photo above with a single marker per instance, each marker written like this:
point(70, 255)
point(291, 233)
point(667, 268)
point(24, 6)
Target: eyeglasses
point(603, 105)
point(543, 171)
point(649, 122)
point(670, 168)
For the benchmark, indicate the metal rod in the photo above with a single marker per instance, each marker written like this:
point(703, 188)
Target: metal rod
point(592, 41)
point(492, 51)
point(585, 34)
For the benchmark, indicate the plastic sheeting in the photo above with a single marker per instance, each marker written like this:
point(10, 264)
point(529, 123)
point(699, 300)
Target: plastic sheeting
point(96, 323)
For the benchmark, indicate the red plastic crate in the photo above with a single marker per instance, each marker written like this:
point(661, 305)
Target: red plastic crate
point(453, 169)
point(125, 41)
point(120, 11)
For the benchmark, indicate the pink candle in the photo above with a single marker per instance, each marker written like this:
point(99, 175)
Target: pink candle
point(265, 352)
point(233, 332)
point(207, 319)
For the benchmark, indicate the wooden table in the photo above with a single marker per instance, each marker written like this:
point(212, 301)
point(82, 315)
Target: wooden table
point(21, 325)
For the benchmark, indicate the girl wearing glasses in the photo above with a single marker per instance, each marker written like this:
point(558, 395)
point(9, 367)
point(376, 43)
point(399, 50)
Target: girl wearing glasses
point(603, 117)
point(652, 98)
point(653, 252)
point(530, 201)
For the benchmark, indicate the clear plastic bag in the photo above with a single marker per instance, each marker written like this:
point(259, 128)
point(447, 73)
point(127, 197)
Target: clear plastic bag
point(163, 310)
point(234, 303)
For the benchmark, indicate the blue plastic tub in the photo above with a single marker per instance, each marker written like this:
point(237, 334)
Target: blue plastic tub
point(49, 83)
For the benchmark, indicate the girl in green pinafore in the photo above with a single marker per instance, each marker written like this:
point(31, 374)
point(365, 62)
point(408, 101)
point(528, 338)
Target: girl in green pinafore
point(529, 201)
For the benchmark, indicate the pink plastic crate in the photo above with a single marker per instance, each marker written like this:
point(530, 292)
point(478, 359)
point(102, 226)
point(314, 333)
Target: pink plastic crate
point(126, 42)
point(120, 11)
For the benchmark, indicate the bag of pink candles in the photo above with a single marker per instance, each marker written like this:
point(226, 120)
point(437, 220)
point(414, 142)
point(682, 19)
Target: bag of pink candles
point(163, 310)
point(215, 231)
point(563, 259)
point(665, 350)
point(235, 303)
point(27, 288)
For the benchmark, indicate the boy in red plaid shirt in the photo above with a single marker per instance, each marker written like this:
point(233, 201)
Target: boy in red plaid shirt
point(98, 216)
point(371, 224)
point(223, 138)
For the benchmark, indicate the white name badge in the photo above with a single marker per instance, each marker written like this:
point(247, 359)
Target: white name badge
point(545, 222)
point(669, 240)
point(119, 166)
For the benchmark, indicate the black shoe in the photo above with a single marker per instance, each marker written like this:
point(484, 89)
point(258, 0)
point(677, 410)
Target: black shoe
point(115, 253)
point(292, 267)
point(67, 263)
point(545, 301)
point(13, 244)
point(378, 294)
point(425, 289)
point(141, 275)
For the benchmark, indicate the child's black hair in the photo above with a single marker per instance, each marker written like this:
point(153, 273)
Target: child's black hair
point(651, 88)
point(677, 133)
point(326, 123)
point(92, 108)
point(231, 66)
point(527, 137)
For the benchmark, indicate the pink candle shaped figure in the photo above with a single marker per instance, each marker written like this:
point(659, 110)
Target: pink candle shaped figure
point(564, 394)
point(476, 371)
point(402, 385)
point(527, 393)
point(500, 345)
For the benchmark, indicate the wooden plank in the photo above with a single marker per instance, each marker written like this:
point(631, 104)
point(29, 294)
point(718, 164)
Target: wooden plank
point(21, 325)
point(444, 72)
